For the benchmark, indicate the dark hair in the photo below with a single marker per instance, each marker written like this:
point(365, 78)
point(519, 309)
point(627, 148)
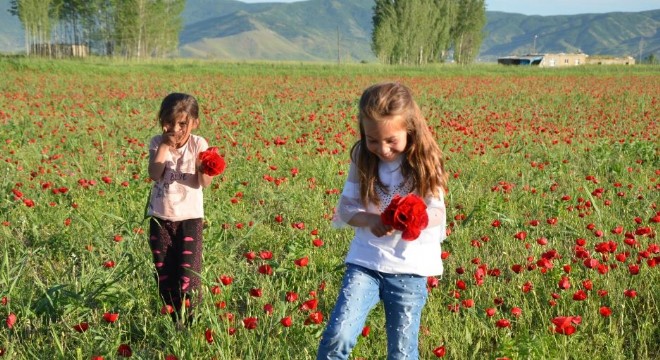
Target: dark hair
point(174, 105)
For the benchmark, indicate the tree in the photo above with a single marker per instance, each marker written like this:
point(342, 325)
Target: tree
point(131, 28)
point(35, 18)
point(467, 32)
point(413, 31)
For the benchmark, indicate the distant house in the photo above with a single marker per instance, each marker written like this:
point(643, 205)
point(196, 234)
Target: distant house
point(609, 60)
point(521, 60)
point(563, 59)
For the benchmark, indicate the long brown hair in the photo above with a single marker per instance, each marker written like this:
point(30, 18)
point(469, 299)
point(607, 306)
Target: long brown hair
point(422, 164)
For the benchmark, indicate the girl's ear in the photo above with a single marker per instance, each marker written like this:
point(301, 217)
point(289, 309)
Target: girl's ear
point(195, 123)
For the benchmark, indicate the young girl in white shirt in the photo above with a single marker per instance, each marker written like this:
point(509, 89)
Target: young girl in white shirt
point(396, 154)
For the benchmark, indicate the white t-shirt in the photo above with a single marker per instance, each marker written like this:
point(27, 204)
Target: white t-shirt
point(391, 254)
point(178, 194)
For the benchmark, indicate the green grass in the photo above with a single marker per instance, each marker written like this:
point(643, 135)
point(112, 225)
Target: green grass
point(538, 132)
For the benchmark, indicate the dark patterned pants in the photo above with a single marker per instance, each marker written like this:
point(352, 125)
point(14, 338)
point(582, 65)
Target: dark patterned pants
point(177, 252)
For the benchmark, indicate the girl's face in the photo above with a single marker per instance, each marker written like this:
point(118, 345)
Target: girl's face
point(386, 138)
point(179, 130)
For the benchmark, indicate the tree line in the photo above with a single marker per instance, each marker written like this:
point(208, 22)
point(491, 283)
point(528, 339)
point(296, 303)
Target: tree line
point(127, 28)
point(405, 31)
point(423, 31)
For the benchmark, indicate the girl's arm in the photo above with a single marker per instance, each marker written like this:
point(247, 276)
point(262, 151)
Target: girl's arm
point(157, 161)
point(436, 210)
point(204, 180)
point(350, 210)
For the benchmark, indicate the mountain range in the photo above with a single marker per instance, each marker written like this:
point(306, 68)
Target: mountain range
point(340, 30)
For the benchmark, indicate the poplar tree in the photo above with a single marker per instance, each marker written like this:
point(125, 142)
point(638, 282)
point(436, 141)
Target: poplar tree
point(385, 31)
point(35, 18)
point(467, 32)
point(129, 28)
point(412, 31)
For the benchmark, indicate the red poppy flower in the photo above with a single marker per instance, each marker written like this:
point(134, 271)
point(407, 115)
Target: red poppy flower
point(11, 320)
point(631, 293)
point(440, 351)
point(490, 312)
point(250, 323)
point(215, 290)
point(208, 334)
point(167, 309)
point(461, 284)
point(268, 309)
point(521, 235)
point(517, 268)
point(212, 163)
point(125, 350)
point(633, 269)
point(302, 262)
point(266, 269)
point(516, 311)
point(314, 318)
point(286, 321)
point(298, 225)
point(406, 214)
point(605, 311)
point(171, 357)
point(580, 295)
point(310, 304)
point(365, 331)
point(110, 317)
point(250, 255)
point(226, 280)
point(82, 327)
point(564, 283)
point(291, 296)
point(255, 292)
point(564, 324)
point(503, 323)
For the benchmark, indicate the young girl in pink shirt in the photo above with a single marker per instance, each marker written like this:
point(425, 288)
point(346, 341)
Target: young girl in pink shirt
point(176, 204)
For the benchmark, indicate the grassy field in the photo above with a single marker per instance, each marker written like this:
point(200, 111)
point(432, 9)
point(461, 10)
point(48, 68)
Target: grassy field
point(553, 209)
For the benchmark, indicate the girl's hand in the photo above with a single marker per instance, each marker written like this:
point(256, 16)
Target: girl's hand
point(169, 137)
point(377, 227)
point(199, 166)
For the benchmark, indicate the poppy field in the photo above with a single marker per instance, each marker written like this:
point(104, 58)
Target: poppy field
point(553, 210)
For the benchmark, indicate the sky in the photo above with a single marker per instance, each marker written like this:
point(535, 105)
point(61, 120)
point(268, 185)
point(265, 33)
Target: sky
point(554, 7)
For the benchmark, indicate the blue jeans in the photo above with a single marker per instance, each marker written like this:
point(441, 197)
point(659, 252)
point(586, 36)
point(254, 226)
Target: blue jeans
point(403, 298)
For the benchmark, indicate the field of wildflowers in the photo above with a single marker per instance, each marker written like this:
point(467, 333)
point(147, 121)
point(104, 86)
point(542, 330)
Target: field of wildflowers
point(552, 250)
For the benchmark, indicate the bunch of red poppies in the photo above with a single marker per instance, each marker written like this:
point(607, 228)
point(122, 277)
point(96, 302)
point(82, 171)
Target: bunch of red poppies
point(212, 162)
point(406, 214)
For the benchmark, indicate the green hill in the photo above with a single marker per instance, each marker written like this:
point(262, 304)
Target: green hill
point(306, 30)
point(323, 30)
point(615, 34)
